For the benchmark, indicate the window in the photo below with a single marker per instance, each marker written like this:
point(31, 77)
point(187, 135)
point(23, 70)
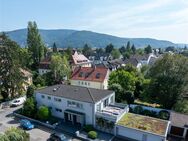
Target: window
point(82, 83)
point(57, 99)
point(85, 83)
point(49, 98)
point(50, 108)
point(78, 82)
point(98, 75)
point(74, 104)
point(88, 84)
point(42, 96)
point(106, 102)
point(99, 107)
point(112, 99)
point(58, 110)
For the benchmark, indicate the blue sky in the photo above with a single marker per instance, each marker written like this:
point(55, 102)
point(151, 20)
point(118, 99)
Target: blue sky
point(160, 19)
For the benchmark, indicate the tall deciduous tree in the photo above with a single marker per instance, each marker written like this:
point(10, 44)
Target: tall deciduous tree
point(87, 50)
point(11, 76)
point(60, 67)
point(169, 80)
point(115, 53)
point(148, 49)
point(34, 42)
point(109, 48)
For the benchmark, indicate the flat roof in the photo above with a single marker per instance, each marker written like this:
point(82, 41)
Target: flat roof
point(77, 93)
point(178, 119)
point(144, 123)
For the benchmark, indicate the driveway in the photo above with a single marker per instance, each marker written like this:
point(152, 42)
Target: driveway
point(40, 133)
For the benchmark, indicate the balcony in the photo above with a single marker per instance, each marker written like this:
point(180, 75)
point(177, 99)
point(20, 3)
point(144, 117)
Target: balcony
point(113, 112)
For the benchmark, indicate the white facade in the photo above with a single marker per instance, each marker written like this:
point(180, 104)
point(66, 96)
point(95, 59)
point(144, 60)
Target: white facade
point(59, 104)
point(138, 135)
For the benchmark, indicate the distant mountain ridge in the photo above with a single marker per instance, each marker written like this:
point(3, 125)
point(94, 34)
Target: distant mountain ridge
point(74, 38)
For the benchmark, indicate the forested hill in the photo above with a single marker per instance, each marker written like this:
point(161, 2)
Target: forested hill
point(77, 39)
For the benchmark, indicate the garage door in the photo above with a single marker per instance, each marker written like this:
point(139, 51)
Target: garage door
point(176, 131)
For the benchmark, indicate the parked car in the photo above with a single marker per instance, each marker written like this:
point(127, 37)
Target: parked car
point(18, 101)
point(58, 137)
point(26, 124)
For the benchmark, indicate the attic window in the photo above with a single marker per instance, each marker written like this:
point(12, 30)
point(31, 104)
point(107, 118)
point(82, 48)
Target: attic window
point(98, 75)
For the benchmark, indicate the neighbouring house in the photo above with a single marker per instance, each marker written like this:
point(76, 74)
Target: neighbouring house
point(88, 106)
point(28, 78)
point(79, 59)
point(91, 77)
point(179, 125)
point(44, 66)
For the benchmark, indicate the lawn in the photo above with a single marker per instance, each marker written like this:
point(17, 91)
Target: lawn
point(145, 123)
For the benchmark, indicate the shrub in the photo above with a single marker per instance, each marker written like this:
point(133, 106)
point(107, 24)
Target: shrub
point(163, 114)
point(92, 134)
point(29, 107)
point(88, 128)
point(30, 91)
point(138, 110)
point(3, 137)
point(146, 112)
point(16, 134)
point(44, 113)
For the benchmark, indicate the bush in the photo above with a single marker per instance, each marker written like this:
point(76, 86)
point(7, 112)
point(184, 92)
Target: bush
point(163, 114)
point(16, 134)
point(44, 113)
point(88, 128)
point(30, 91)
point(3, 137)
point(138, 110)
point(92, 134)
point(146, 112)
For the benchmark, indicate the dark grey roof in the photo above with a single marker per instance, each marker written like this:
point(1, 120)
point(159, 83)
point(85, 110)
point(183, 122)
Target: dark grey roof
point(78, 93)
point(178, 119)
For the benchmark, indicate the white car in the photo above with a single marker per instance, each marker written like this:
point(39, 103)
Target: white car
point(18, 101)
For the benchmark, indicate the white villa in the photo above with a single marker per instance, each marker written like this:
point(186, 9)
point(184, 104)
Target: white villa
point(82, 106)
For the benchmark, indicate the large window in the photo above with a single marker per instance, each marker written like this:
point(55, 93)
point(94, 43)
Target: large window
point(57, 99)
point(58, 110)
point(42, 96)
point(99, 107)
point(74, 104)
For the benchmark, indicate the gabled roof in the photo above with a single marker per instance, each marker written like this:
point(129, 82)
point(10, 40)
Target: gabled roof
point(132, 61)
point(77, 93)
point(79, 58)
point(97, 74)
point(45, 63)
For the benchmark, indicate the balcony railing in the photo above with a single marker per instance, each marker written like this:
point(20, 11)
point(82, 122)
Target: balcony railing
point(113, 116)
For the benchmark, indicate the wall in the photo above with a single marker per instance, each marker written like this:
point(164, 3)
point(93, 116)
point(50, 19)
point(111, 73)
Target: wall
point(87, 107)
point(137, 134)
point(92, 84)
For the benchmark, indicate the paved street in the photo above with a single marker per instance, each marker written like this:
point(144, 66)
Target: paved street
point(37, 134)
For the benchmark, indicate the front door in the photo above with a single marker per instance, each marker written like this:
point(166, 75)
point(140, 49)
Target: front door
point(66, 117)
point(74, 119)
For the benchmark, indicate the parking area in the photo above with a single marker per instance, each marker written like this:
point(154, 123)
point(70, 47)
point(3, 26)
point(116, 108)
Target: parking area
point(39, 133)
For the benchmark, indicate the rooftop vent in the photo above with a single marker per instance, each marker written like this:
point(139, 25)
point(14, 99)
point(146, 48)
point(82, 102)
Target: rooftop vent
point(55, 89)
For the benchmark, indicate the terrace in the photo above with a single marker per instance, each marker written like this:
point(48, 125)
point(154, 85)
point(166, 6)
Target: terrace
point(113, 112)
point(144, 123)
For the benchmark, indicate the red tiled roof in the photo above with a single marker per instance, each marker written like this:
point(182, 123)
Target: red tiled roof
point(45, 63)
point(89, 74)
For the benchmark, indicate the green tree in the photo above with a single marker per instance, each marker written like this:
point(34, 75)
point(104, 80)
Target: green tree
point(109, 48)
point(133, 48)
point(30, 108)
point(87, 50)
point(44, 113)
point(125, 79)
point(128, 47)
point(34, 42)
point(118, 91)
point(181, 106)
point(12, 79)
point(148, 49)
point(122, 50)
point(60, 67)
point(169, 79)
point(30, 91)
point(115, 54)
point(100, 51)
point(54, 48)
